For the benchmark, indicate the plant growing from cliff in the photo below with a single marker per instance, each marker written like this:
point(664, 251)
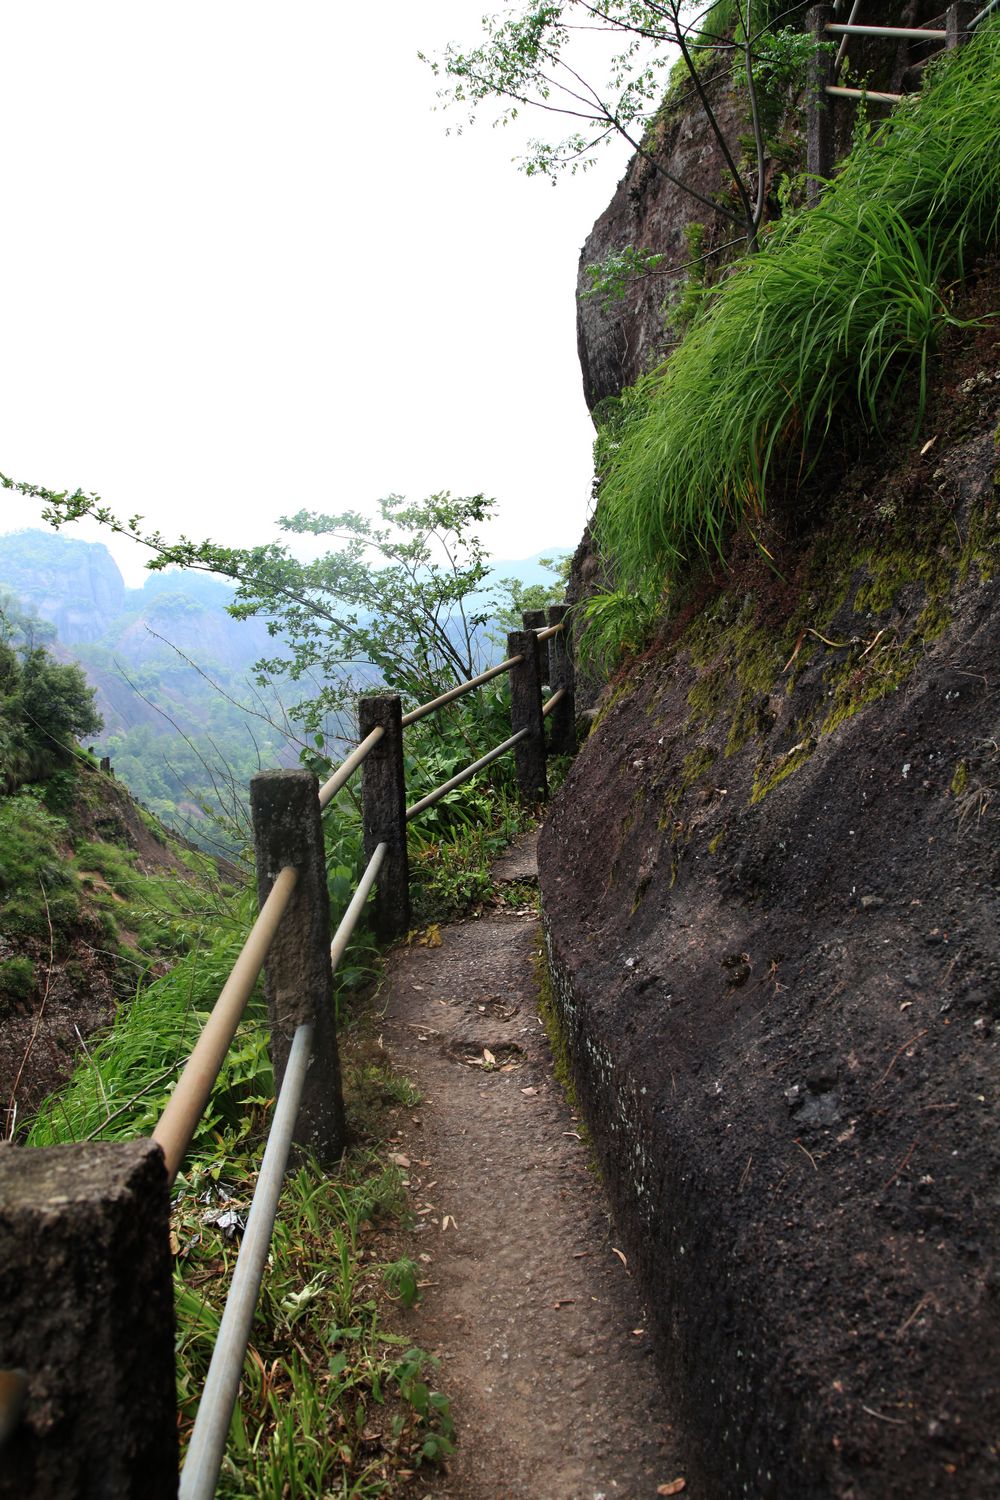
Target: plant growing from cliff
point(611, 277)
point(842, 304)
point(527, 59)
point(616, 624)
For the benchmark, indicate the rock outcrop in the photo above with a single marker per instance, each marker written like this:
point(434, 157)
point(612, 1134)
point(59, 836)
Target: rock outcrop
point(75, 585)
point(776, 955)
point(776, 948)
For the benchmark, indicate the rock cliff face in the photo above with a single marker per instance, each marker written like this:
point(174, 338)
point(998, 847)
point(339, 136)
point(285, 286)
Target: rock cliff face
point(112, 631)
point(75, 585)
point(776, 959)
point(776, 951)
point(618, 340)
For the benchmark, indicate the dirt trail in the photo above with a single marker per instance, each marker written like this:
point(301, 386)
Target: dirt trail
point(536, 1320)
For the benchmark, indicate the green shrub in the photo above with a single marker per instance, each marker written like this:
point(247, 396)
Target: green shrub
point(109, 860)
point(842, 303)
point(17, 979)
point(37, 885)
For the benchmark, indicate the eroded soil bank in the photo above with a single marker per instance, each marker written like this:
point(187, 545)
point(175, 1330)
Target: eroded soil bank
point(545, 1347)
point(771, 886)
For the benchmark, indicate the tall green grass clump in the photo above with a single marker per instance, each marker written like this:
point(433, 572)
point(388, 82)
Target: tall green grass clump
point(121, 1085)
point(839, 307)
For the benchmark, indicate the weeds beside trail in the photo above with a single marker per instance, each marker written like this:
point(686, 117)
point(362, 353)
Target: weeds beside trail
point(332, 1401)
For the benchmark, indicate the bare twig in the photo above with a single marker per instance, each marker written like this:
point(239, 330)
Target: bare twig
point(898, 1054)
point(890, 1180)
point(93, 1065)
point(809, 1154)
point(896, 1422)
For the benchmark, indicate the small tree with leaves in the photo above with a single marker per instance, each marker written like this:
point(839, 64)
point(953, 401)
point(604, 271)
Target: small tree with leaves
point(526, 60)
point(401, 599)
point(45, 705)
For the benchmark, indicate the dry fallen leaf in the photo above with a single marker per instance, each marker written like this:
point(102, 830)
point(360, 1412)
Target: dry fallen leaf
point(620, 1254)
point(398, 1159)
point(928, 445)
point(637, 1331)
point(530, 1092)
point(673, 1488)
point(488, 1057)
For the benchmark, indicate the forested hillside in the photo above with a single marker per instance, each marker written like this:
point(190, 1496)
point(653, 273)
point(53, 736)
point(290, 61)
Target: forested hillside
point(185, 722)
point(188, 717)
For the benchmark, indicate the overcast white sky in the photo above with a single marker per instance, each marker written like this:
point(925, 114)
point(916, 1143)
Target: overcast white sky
point(244, 270)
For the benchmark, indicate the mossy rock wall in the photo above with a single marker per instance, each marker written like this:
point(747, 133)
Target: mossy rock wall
point(775, 947)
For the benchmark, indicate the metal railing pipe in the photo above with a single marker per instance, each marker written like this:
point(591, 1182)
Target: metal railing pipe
point(986, 11)
point(870, 94)
point(187, 1103)
point(550, 630)
point(200, 1474)
point(901, 33)
point(346, 769)
point(550, 703)
point(842, 49)
point(349, 920)
point(458, 692)
point(477, 765)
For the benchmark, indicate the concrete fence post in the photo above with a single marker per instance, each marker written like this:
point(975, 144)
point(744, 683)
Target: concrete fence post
point(956, 23)
point(383, 811)
point(526, 713)
point(819, 110)
point(299, 979)
point(562, 735)
point(534, 619)
point(86, 1309)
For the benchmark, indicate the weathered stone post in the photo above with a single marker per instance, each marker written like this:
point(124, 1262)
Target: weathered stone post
point(288, 830)
point(819, 118)
point(383, 804)
point(86, 1309)
point(526, 713)
point(956, 23)
point(562, 735)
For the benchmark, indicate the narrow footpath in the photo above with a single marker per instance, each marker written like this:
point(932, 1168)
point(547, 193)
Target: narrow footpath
point(527, 1300)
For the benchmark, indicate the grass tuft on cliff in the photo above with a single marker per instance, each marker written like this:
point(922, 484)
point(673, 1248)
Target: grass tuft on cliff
point(832, 315)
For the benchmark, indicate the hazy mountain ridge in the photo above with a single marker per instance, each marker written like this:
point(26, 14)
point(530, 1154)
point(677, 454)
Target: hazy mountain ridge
point(185, 721)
